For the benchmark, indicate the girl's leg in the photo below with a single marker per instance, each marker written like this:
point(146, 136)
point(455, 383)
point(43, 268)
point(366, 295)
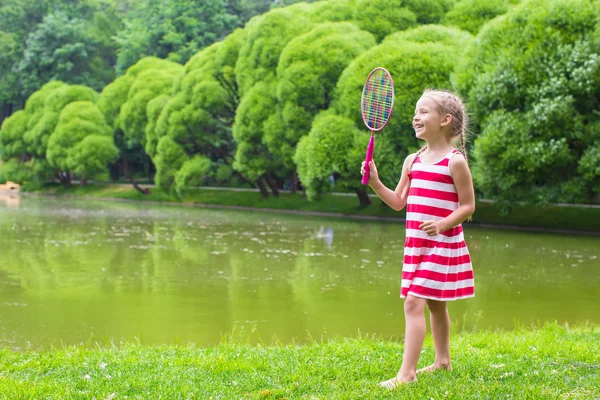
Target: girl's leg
point(416, 326)
point(440, 327)
point(414, 312)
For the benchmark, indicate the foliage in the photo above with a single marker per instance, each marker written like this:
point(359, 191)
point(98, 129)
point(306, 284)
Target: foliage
point(383, 17)
point(25, 135)
point(169, 159)
point(252, 158)
point(308, 70)
point(192, 173)
point(62, 48)
point(533, 82)
point(173, 29)
point(152, 77)
point(266, 37)
point(333, 146)
point(200, 113)
point(82, 141)
point(471, 15)
point(416, 59)
point(11, 135)
point(18, 19)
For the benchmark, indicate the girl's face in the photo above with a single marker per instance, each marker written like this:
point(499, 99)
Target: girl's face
point(427, 121)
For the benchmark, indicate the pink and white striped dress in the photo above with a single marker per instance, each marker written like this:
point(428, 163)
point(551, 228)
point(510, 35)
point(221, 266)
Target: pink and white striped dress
point(435, 267)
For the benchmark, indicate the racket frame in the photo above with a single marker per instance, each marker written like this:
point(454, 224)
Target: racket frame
point(371, 146)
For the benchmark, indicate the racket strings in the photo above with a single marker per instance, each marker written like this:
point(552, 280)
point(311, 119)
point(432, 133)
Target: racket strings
point(378, 99)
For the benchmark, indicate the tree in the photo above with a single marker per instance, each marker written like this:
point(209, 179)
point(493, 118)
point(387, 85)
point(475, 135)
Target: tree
point(381, 17)
point(152, 77)
point(417, 59)
point(255, 72)
point(252, 158)
point(266, 37)
point(60, 48)
point(308, 70)
point(173, 29)
point(532, 79)
point(47, 138)
point(197, 116)
point(128, 102)
point(81, 142)
point(17, 19)
point(24, 137)
point(369, 16)
point(471, 15)
point(333, 146)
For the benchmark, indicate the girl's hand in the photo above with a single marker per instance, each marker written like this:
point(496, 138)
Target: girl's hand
point(431, 228)
point(373, 174)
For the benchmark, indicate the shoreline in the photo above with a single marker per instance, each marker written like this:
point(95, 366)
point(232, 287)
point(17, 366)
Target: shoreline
point(341, 215)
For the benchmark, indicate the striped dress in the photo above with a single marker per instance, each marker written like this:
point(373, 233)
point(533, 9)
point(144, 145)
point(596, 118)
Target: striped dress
point(435, 267)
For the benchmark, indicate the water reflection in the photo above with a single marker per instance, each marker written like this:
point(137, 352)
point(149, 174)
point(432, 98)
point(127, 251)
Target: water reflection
point(9, 199)
point(325, 233)
point(69, 271)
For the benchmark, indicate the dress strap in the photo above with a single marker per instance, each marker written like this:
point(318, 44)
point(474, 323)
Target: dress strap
point(452, 153)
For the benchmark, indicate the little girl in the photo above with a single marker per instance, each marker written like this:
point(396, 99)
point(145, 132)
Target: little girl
point(437, 189)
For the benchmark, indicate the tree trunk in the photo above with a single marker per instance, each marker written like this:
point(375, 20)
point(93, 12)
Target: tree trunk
point(272, 184)
point(65, 179)
point(263, 189)
point(294, 181)
point(242, 177)
point(83, 181)
point(363, 197)
point(130, 177)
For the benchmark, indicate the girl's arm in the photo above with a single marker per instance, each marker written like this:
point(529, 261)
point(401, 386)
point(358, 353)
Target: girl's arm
point(459, 170)
point(396, 199)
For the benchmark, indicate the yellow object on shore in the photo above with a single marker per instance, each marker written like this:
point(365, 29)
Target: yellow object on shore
point(10, 186)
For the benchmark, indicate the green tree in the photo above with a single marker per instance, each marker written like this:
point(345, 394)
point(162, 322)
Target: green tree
point(334, 146)
point(82, 141)
point(61, 48)
point(198, 115)
point(255, 72)
point(127, 104)
point(43, 140)
point(266, 37)
point(383, 17)
point(24, 138)
point(308, 70)
point(42, 119)
point(17, 19)
point(152, 77)
point(252, 158)
point(41, 40)
point(471, 15)
point(173, 29)
point(417, 59)
point(533, 82)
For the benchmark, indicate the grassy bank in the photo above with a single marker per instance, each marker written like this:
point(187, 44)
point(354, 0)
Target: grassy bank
point(552, 362)
point(551, 217)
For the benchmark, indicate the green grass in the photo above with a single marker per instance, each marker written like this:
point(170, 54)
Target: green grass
point(528, 216)
point(551, 362)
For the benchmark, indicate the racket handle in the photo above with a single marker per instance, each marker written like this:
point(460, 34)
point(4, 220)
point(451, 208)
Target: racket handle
point(368, 158)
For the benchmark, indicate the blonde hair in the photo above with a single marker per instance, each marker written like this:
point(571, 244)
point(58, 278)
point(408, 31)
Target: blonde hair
point(450, 103)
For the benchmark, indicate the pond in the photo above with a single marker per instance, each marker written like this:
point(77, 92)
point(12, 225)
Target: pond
point(74, 272)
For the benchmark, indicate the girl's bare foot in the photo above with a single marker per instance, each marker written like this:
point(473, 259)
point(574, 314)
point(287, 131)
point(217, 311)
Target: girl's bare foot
point(396, 382)
point(434, 367)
